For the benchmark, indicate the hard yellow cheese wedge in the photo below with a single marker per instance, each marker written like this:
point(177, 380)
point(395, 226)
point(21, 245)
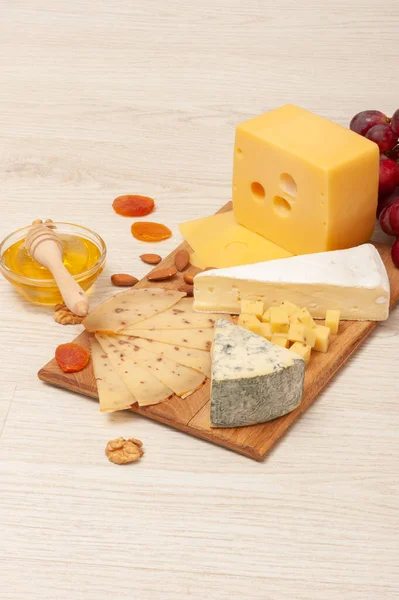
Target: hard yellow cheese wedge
point(219, 241)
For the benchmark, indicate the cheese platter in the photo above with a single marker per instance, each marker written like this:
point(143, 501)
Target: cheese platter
point(233, 335)
point(192, 413)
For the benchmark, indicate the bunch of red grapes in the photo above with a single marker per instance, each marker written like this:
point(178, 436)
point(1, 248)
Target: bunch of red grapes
point(382, 130)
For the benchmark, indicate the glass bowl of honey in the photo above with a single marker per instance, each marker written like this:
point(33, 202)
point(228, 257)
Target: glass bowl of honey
point(84, 254)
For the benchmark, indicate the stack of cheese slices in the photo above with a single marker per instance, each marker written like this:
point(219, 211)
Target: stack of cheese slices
point(148, 345)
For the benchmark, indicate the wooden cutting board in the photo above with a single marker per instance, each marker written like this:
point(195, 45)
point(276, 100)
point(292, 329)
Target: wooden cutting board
point(191, 415)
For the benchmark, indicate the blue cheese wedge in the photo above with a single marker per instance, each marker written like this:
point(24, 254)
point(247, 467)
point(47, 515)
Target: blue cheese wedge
point(253, 381)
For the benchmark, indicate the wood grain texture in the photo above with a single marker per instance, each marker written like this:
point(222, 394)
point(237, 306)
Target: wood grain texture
point(192, 415)
point(106, 98)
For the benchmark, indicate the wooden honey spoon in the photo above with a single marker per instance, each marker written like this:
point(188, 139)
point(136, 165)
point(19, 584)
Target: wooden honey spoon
point(44, 245)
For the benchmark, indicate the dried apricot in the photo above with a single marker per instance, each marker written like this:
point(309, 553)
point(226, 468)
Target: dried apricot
point(146, 231)
point(71, 357)
point(133, 206)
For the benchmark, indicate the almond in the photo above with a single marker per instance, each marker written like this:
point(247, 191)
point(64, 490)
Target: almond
point(161, 274)
point(187, 289)
point(209, 268)
point(182, 259)
point(123, 280)
point(151, 259)
point(189, 278)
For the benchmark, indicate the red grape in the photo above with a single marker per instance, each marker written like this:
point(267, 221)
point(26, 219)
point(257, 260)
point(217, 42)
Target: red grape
point(389, 176)
point(389, 219)
point(395, 123)
point(395, 253)
point(383, 136)
point(383, 202)
point(366, 119)
point(394, 153)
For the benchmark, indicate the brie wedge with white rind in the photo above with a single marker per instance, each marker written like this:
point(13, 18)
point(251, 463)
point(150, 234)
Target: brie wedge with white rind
point(253, 381)
point(353, 281)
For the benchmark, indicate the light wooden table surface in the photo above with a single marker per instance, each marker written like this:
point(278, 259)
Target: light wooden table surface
point(110, 97)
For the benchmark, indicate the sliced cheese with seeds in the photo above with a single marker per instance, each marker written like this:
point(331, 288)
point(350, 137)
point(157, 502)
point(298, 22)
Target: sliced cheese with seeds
point(179, 316)
point(146, 388)
point(188, 338)
point(200, 360)
point(112, 392)
point(182, 380)
point(130, 307)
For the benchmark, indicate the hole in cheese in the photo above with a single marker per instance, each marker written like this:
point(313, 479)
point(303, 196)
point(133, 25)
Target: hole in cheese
point(258, 191)
point(281, 206)
point(240, 153)
point(288, 185)
point(236, 246)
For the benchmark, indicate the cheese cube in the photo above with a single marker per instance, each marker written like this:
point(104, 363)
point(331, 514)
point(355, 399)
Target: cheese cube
point(296, 332)
point(280, 339)
point(305, 317)
point(249, 322)
point(290, 307)
point(309, 336)
point(265, 331)
point(279, 320)
point(322, 338)
point(296, 174)
point(302, 350)
point(252, 307)
point(266, 316)
point(332, 320)
point(295, 321)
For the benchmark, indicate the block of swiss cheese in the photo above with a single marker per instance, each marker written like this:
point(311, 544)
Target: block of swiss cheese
point(304, 182)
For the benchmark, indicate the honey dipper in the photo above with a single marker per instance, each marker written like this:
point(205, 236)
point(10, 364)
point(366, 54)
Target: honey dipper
point(44, 245)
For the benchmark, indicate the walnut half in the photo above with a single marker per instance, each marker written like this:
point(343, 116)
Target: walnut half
point(63, 315)
point(121, 451)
